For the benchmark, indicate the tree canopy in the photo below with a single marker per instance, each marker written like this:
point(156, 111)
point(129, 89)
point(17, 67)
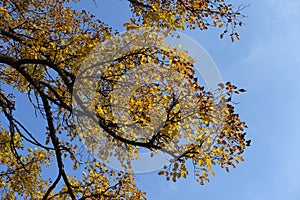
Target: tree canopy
point(44, 45)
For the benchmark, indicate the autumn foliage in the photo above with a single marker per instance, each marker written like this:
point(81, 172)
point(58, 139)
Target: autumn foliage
point(43, 46)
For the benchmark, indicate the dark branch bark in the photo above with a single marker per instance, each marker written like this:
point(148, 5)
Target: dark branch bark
point(55, 142)
point(51, 188)
point(140, 4)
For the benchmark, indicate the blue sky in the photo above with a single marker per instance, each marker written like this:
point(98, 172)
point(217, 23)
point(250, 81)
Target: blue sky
point(266, 63)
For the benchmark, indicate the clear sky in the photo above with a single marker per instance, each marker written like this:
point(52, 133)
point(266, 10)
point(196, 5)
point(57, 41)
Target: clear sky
point(266, 62)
